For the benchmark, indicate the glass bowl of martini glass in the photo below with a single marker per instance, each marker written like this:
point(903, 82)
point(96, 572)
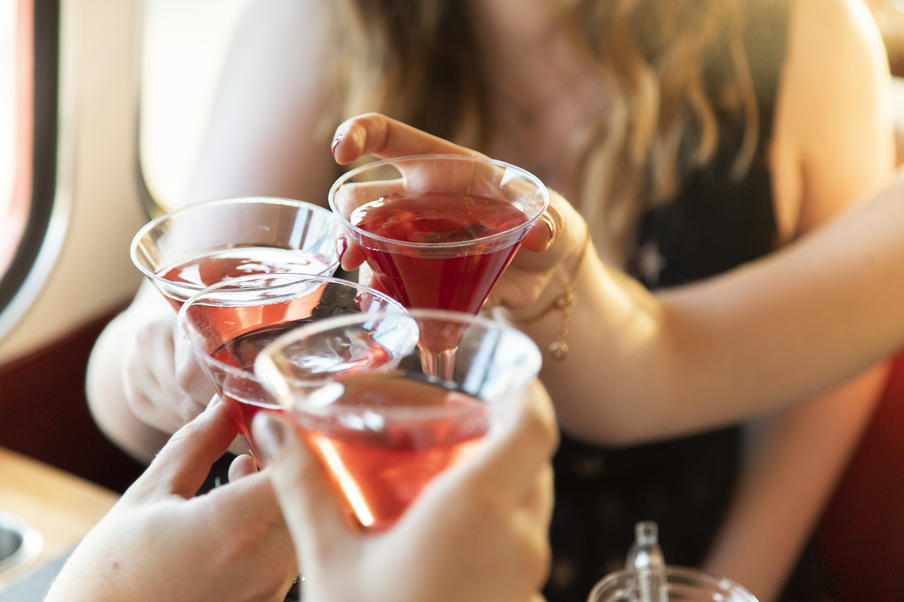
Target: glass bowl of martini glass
point(184, 251)
point(437, 231)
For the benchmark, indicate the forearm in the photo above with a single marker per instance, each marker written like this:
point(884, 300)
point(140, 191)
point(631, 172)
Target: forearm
point(107, 373)
point(756, 339)
point(792, 465)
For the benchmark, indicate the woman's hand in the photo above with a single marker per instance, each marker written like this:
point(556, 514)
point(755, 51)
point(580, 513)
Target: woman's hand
point(160, 543)
point(555, 242)
point(478, 532)
point(163, 384)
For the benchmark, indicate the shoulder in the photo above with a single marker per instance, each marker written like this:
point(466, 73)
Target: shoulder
point(284, 32)
point(835, 58)
point(833, 109)
point(837, 29)
point(274, 107)
point(280, 56)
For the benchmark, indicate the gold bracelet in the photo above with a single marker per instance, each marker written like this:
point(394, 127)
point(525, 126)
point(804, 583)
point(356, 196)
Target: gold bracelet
point(558, 349)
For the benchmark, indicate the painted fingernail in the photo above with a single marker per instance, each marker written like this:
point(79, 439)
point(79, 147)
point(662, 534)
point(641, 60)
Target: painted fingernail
point(269, 435)
point(335, 143)
point(550, 226)
point(341, 247)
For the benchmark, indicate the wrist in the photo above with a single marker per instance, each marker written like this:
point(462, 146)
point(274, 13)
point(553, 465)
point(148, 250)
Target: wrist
point(559, 303)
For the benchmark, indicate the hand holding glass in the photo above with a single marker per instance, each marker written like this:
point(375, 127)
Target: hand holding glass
point(438, 230)
point(382, 426)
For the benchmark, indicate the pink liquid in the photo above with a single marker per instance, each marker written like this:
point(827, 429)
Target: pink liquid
point(458, 279)
point(211, 267)
point(245, 396)
point(381, 463)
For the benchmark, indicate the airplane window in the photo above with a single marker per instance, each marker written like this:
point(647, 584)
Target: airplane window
point(30, 228)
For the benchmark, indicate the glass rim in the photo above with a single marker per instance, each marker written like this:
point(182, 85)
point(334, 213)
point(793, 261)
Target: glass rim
point(343, 179)
point(704, 577)
point(535, 359)
point(240, 200)
point(203, 356)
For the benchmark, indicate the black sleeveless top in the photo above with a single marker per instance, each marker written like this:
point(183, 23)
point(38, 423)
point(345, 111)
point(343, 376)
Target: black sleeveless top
point(714, 223)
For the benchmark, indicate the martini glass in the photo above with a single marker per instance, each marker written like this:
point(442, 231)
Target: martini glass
point(682, 583)
point(437, 231)
point(227, 324)
point(186, 250)
point(647, 578)
point(380, 423)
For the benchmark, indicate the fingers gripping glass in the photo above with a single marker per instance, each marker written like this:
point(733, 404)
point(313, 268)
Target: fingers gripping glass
point(438, 230)
point(381, 424)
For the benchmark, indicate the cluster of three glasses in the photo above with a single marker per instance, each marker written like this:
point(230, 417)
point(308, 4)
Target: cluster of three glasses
point(388, 385)
point(386, 393)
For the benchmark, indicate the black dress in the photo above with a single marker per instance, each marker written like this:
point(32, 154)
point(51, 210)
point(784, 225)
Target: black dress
point(714, 223)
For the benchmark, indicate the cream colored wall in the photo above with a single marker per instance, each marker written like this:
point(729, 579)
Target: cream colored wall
point(93, 273)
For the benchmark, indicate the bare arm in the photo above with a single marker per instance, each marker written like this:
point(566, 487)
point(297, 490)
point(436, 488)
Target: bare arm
point(753, 340)
point(266, 134)
point(834, 128)
point(265, 137)
point(784, 328)
point(790, 468)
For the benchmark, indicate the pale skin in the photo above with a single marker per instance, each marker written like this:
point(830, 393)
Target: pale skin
point(251, 149)
point(798, 454)
point(477, 532)
point(749, 343)
point(160, 542)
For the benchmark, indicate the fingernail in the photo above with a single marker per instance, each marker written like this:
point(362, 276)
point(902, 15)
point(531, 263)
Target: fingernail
point(341, 247)
point(550, 226)
point(550, 230)
point(335, 143)
point(269, 435)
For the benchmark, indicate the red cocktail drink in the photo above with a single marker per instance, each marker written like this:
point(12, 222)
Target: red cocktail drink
point(184, 251)
point(243, 395)
point(205, 269)
point(227, 325)
point(381, 470)
point(438, 230)
point(383, 429)
point(458, 279)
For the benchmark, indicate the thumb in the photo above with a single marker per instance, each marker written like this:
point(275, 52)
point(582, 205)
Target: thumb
point(308, 501)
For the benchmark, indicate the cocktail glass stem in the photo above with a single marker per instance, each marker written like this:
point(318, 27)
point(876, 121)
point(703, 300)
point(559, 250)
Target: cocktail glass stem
point(438, 364)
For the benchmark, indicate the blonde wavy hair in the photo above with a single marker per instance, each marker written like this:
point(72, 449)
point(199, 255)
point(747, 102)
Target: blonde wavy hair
point(667, 68)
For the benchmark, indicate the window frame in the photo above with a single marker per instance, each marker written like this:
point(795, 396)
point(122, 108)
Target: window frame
point(36, 170)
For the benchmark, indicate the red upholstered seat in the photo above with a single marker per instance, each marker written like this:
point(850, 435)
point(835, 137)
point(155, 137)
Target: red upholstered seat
point(862, 532)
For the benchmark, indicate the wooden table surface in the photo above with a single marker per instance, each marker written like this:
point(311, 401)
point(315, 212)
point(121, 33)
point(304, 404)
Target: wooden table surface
point(61, 506)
